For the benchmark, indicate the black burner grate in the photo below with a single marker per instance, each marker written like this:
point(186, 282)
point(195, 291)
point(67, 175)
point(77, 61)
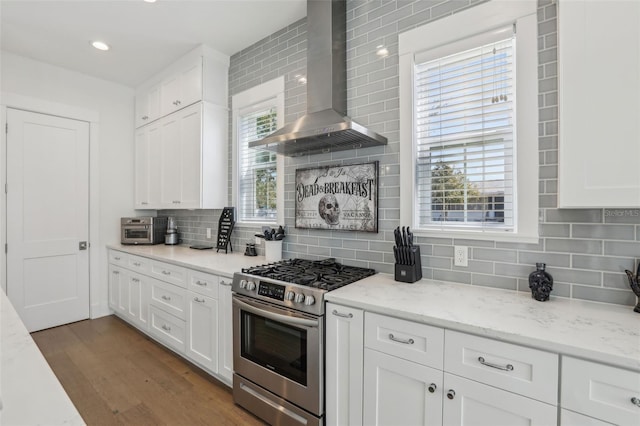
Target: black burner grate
point(324, 274)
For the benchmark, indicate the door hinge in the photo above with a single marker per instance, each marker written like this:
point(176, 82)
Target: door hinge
point(6, 127)
point(5, 188)
point(6, 248)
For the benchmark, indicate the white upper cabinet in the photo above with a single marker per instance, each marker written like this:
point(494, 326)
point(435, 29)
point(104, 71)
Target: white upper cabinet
point(200, 75)
point(599, 105)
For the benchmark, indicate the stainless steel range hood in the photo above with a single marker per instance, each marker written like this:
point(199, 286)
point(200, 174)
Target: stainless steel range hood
point(325, 127)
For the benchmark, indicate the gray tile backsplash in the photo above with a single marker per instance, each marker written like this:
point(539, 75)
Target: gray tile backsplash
point(586, 250)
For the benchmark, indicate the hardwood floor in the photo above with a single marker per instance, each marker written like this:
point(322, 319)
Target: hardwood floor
point(116, 375)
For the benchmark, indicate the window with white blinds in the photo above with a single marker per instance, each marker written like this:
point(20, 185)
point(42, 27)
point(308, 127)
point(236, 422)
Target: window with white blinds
point(464, 136)
point(257, 169)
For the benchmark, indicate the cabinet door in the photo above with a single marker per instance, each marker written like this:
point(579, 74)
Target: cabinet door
point(190, 156)
point(569, 418)
point(170, 162)
point(147, 106)
point(118, 291)
point(138, 311)
point(225, 322)
point(202, 330)
point(147, 167)
point(599, 106)
point(183, 88)
point(399, 392)
point(170, 94)
point(344, 364)
point(471, 403)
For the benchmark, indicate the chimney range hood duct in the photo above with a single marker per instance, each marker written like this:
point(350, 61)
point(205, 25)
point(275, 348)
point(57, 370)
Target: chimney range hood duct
point(325, 127)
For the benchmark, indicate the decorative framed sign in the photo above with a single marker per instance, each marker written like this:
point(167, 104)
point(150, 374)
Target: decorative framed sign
point(343, 198)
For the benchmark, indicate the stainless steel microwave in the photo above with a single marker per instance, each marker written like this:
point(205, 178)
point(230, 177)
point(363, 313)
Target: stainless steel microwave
point(143, 230)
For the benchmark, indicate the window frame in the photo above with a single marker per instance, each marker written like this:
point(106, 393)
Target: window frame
point(453, 32)
point(268, 93)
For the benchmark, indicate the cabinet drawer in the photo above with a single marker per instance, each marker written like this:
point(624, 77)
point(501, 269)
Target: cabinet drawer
point(569, 418)
point(203, 283)
point(412, 341)
point(600, 391)
point(525, 371)
point(167, 329)
point(139, 264)
point(169, 273)
point(118, 258)
point(169, 298)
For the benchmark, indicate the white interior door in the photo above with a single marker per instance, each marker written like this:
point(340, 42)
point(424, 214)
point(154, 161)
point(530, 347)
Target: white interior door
point(47, 218)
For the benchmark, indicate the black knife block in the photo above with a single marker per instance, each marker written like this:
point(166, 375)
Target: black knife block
point(410, 273)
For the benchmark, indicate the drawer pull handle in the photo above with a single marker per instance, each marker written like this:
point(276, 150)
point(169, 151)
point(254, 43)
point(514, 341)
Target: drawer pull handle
point(451, 394)
point(195, 299)
point(406, 342)
point(635, 401)
point(226, 284)
point(116, 272)
point(117, 258)
point(136, 263)
point(167, 298)
point(340, 314)
point(201, 283)
point(432, 387)
point(508, 367)
point(166, 272)
point(166, 327)
point(135, 280)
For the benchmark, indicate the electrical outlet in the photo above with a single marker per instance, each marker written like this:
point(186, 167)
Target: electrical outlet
point(208, 232)
point(258, 241)
point(460, 256)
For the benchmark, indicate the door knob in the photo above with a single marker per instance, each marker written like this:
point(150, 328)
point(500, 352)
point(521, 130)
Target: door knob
point(82, 245)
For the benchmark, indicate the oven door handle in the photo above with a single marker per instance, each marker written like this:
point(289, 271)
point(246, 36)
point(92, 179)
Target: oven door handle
point(276, 317)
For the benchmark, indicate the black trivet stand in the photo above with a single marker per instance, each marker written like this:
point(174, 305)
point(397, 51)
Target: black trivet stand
point(225, 227)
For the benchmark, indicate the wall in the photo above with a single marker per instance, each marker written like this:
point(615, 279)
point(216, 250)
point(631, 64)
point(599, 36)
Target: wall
point(112, 165)
point(586, 250)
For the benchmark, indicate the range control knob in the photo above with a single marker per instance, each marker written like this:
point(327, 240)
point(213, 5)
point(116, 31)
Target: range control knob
point(300, 298)
point(251, 286)
point(309, 300)
point(290, 295)
point(243, 283)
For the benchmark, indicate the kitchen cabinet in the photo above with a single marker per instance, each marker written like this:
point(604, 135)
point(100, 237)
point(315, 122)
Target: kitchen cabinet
point(183, 88)
point(147, 166)
point(148, 105)
point(181, 160)
point(418, 374)
point(344, 364)
point(202, 333)
point(200, 75)
point(608, 394)
point(186, 310)
point(225, 321)
point(599, 106)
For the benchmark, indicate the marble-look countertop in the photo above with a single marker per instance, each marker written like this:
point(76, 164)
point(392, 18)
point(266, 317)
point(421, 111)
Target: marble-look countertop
point(601, 332)
point(30, 394)
point(219, 263)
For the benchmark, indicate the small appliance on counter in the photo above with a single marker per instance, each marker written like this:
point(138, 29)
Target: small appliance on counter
point(171, 237)
point(143, 230)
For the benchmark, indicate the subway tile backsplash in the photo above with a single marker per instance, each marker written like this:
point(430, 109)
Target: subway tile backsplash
point(586, 250)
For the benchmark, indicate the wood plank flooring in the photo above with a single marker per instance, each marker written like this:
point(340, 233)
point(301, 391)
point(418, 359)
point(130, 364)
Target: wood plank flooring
point(116, 375)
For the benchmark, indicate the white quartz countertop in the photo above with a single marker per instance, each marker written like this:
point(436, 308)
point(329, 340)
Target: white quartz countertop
point(598, 331)
point(30, 394)
point(219, 263)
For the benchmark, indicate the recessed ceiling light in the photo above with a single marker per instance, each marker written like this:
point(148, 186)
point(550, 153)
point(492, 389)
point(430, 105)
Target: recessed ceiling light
point(100, 45)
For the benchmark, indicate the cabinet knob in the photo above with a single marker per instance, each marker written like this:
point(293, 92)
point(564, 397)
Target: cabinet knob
point(224, 283)
point(146, 117)
point(167, 298)
point(201, 283)
point(432, 387)
point(451, 394)
point(635, 401)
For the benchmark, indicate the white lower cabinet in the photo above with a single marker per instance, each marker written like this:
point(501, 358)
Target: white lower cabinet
point(202, 335)
point(468, 402)
point(344, 365)
point(188, 311)
point(417, 374)
point(606, 393)
point(225, 335)
point(400, 392)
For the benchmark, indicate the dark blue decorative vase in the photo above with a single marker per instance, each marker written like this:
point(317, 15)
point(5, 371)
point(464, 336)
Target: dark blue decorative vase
point(540, 283)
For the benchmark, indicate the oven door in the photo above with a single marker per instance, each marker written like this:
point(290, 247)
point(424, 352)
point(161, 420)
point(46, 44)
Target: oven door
point(280, 350)
point(136, 234)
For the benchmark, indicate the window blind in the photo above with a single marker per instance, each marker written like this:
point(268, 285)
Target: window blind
point(257, 168)
point(464, 115)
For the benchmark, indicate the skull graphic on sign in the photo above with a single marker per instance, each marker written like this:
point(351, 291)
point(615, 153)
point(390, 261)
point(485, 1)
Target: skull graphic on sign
point(329, 209)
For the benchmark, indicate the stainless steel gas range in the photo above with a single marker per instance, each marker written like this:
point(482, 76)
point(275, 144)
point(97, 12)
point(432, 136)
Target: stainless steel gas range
point(278, 337)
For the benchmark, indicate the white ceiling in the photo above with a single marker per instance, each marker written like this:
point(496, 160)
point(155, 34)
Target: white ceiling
point(144, 37)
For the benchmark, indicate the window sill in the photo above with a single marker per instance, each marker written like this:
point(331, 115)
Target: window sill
point(478, 235)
